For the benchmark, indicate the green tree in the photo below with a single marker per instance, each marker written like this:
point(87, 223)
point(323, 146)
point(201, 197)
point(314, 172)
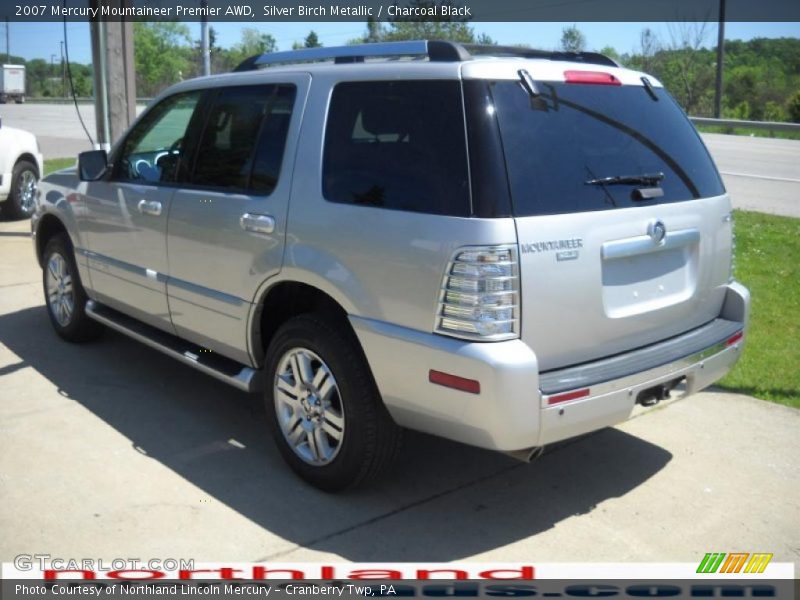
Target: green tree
point(160, 55)
point(572, 39)
point(793, 108)
point(312, 41)
point(611, 53)
point(255, 42)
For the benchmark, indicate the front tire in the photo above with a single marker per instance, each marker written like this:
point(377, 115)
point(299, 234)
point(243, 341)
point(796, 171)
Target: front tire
point(21, 203)
point(323, 406)
point(64, 294)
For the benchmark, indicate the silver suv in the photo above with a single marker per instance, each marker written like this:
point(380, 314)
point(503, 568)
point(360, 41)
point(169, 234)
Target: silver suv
point(499, 246)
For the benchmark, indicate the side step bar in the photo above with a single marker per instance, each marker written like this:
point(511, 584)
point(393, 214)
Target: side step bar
point(224, 369)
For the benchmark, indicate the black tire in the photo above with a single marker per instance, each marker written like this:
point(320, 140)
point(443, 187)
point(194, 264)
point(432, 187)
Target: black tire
point(78, 327)
point(18, 205)
point(370, 439)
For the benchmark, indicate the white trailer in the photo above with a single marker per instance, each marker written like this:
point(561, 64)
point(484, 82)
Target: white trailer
point(12, 83)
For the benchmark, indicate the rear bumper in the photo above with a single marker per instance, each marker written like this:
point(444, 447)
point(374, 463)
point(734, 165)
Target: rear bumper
point(511, 411)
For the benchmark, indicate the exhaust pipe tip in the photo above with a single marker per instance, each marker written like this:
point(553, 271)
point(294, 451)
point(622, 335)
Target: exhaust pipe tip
point(526, 455)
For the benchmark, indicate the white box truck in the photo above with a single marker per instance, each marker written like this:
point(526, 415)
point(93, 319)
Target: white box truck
point(12, 83)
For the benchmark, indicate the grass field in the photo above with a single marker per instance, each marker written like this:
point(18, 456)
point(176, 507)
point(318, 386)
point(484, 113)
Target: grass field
point(787, 135)
point(768, 262)
point(55, 164)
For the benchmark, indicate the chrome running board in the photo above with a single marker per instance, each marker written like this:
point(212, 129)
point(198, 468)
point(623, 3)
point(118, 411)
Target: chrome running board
point(219, 367)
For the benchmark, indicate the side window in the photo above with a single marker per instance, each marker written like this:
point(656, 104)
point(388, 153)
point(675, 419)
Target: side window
point(154, 148)
point(399, 145)
point(244, 138)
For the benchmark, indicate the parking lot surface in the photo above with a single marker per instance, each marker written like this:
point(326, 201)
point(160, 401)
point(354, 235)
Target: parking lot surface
point(112, 450)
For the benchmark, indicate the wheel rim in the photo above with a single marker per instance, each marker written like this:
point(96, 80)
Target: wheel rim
point(309, 406)
point(60, 296)
point(27, 191)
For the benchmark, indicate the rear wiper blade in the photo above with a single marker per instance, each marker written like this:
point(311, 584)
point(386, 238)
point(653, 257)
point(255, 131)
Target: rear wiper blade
point(649, 179)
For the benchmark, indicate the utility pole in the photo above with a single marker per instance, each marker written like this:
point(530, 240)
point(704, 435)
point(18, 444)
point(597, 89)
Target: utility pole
point(102, 126)
point(114, 77)
point(63, 71)
point(204, 42)
point(8, 41)
point(720, 60)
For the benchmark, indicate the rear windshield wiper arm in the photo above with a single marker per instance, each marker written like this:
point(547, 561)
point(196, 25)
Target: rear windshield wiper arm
point(649, 179)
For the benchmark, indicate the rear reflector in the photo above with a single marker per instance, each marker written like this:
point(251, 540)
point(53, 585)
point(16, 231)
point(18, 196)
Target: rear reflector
point(454, 381)
point(734, 338)
point(592, 77)
point(568, 396)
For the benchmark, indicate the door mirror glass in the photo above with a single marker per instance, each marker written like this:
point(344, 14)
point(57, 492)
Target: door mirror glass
point(92, 164)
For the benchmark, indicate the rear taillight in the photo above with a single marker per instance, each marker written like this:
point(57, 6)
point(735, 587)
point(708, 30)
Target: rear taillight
point(480, 294)
point(591, 77)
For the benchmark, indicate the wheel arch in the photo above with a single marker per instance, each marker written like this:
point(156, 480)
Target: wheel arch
point(28, 157)
point(48, 227)
point(283, 300)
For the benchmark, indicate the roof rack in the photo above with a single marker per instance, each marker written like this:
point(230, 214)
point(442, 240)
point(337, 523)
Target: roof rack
point(594, 58)
point(433, 50)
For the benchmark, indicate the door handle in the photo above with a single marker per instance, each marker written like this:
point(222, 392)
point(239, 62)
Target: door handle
point(149, 207)
point(257, 223)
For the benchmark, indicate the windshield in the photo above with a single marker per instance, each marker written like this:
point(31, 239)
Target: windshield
point(578, 147)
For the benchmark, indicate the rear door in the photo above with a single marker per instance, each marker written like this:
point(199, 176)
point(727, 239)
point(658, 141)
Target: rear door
point(609, 265)
point(227, 223)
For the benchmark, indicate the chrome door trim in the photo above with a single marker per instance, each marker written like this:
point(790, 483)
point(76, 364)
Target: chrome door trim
point(257, 223)
point(149, 207)
point(204, 291)
point(644, 244)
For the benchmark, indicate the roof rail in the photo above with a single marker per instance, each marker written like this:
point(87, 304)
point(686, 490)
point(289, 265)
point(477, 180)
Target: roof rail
point(434, 50)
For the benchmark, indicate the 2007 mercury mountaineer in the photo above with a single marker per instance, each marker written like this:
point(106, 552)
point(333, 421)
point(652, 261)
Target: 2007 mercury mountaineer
point(499, 246)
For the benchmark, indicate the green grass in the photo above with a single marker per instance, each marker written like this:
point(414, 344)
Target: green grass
point(788, 135)
point(54, 164)
point(768, 262)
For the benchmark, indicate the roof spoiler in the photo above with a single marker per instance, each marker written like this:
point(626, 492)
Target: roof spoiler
point(433, 50)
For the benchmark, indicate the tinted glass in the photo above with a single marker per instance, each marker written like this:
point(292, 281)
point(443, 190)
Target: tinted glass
point(272, 140)
point(398, 145)
point(574, 133)
point(154, 147)
point(238, 118)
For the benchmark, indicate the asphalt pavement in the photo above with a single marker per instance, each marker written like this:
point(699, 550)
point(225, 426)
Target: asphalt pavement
point(761, 174)
point(110, 449)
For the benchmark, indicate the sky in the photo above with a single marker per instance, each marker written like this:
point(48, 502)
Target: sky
point(42, 40)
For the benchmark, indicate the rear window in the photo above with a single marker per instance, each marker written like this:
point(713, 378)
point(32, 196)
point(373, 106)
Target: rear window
point(573, 133)
point(397, 145)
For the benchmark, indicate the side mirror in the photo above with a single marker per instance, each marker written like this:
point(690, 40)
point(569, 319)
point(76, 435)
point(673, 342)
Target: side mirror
point(92, 164)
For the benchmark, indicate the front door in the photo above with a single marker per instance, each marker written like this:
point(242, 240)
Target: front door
point(127, 213)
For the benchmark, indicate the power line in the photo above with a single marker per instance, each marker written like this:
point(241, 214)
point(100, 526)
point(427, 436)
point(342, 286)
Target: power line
point(71, 83)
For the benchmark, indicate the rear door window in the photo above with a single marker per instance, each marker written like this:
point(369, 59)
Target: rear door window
point(244, 138)
point(574, 133)
point(397, 145)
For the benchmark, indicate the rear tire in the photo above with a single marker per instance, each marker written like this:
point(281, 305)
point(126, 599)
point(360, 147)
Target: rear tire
point(21, 202)
point(64, 295)
point(323, 406)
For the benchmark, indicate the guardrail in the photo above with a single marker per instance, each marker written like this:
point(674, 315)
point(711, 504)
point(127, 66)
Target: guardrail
point(89, 100)
point(763, 125)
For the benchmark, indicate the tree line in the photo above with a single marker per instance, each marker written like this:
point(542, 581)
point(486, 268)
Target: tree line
point(761, 76)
